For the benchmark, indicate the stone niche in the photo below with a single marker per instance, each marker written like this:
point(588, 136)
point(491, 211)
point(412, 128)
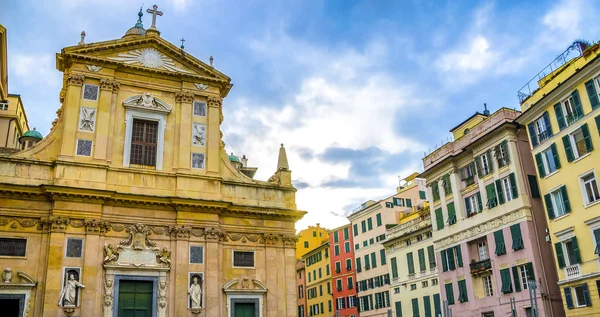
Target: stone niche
point(136, 259)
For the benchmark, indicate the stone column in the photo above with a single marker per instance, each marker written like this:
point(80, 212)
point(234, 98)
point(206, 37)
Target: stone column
point(106, 109)
point(56, 227)
point(69, 112)
point(214, 142)
point(92, 265)
point(289, 253)
point(213, 292)
point(179, 273)
point(183, 132)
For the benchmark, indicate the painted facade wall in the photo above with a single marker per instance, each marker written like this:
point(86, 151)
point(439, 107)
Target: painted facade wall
point(343, 279)
point(474, 207)
point(413, 268)
point(309, 239)
point(13, 122)
point(301, 285)
point(319, 289)
point(578, 219)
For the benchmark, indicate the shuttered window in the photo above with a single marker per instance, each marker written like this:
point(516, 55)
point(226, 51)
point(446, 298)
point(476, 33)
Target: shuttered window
point(499, 240)
point(449, 294)
point(431, 254)
point(462, 291)
point(506, 282)
point(517, 237)
point(422, 264)
point(144, 138)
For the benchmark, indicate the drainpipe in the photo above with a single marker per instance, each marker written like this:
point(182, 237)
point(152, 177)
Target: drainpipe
point(8, 131)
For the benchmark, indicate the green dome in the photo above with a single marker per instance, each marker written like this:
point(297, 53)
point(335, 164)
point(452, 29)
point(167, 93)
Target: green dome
point(32, 134)
point(234, 158)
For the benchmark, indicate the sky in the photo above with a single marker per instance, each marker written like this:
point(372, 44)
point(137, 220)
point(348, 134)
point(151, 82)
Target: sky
point(358, 91)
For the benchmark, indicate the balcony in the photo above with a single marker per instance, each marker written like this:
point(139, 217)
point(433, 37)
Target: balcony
point(544, 136)
point(480, 266)
point(572, 118)
point(573, 271)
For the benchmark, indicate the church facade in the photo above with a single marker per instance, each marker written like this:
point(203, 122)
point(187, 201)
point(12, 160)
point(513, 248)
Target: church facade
point(131, 206)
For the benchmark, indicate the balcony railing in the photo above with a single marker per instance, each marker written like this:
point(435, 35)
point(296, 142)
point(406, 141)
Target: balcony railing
point(544, 136)
point(480, 266)
point(572, 119)
point(573, 271)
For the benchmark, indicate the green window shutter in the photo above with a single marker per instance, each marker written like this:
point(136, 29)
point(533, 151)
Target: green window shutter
point(422, 264)
point(468, 206)
point(597, 248)
point(517, 237)
point(370, 223)
point(549, 207)
point(591, 91)
point(363, 225)
point(547, 122)
point(577, 102)
point(394, 267)
point(355, 233)
point(408, 203)
point(565, 197)
point(586, 295)
point(427, 305)
point(560, 257)
point(568, 149)
point(532, 135)
point(462, 291)
point(335, 237)
point(449, 294)
point(450, 253)
point(415, 307)
point(513, 185)
point(346, 233)
point(568, 298)
point(367, 265)
point(529, 270)
point(506, 283)
point(422, 195)
point(540, 165)
point(444, 262)
point(500, 192)
point(410, 263)
point(576, 253)
point(479, 204)
point(378, 220)
point(597, 119)
point(373, 260)
point(398, 309)
point(358, 265)
point(382, 256)
point(586, 137)
point(499, 240)
point(555, 155)
point(451, 214)
point(439, 218)
point(491, 196)
point(431, 255)
point(516, 278)
point(560, 117)
point(458, 256)
point(437, 305)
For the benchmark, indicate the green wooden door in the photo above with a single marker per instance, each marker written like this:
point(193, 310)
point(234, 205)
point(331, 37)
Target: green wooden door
point(244, 310)
point(135, 299)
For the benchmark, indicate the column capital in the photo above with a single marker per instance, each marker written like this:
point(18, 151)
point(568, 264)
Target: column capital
point(75, 79)
point(184, 96)
point(215, 102)
point(109, 84)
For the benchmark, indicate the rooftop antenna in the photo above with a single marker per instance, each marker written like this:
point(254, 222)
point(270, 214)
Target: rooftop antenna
point(486, 112)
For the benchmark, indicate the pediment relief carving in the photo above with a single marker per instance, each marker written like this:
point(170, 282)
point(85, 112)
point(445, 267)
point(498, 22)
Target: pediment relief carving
point(24, 280)
point(245, 284)
point(147, 102)
point(137, 251)
point(149, 57)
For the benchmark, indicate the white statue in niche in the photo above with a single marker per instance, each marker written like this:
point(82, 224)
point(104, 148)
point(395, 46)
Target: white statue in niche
point(195, 292)
point(69, 295)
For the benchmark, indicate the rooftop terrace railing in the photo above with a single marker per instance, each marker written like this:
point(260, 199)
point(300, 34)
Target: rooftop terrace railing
point(542, 78)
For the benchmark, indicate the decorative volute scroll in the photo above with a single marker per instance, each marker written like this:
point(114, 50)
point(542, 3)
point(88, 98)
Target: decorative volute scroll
point(109, 84)
point(184, 96)
point(245, 285)
point(24, 280)
point(147, 102)
point(137, 251)
point(75, 79)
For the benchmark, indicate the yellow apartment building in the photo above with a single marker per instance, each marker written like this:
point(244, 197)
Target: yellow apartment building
point(319, 301)
point(562, 113)
point(415, 289)
point(309, 239)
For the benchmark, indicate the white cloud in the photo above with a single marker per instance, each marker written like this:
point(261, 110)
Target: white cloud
point(477, 57)
point(344, 99)
point(32, 67)
point(565, 16)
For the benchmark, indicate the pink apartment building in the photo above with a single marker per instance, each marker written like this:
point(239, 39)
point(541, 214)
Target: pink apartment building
point(489, 222)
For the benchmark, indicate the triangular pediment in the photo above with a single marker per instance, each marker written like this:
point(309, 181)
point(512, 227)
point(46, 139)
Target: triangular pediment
point(150, 53)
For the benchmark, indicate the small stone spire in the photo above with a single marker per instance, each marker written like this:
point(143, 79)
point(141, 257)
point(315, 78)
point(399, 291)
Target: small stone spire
point(81, 42)
point(282, 162)
point(211, 59)
point(139, 24)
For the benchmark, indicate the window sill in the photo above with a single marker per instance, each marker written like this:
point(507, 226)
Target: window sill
point(592, 204)
point(553, 173)
point(561, 217)
point(581, 157)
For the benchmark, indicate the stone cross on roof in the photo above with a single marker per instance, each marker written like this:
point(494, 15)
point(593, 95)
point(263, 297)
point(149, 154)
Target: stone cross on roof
point(154, 13)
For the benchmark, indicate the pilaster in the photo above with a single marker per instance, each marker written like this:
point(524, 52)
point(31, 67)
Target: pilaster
point(70, 111)
point(213, 276)
point(106, 103)
point(53, 286)
point(213, 144)
point(183, 101)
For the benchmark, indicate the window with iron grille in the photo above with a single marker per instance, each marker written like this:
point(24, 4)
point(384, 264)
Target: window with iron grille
point(13, 247)
point(243, 258)
point(144, 139)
